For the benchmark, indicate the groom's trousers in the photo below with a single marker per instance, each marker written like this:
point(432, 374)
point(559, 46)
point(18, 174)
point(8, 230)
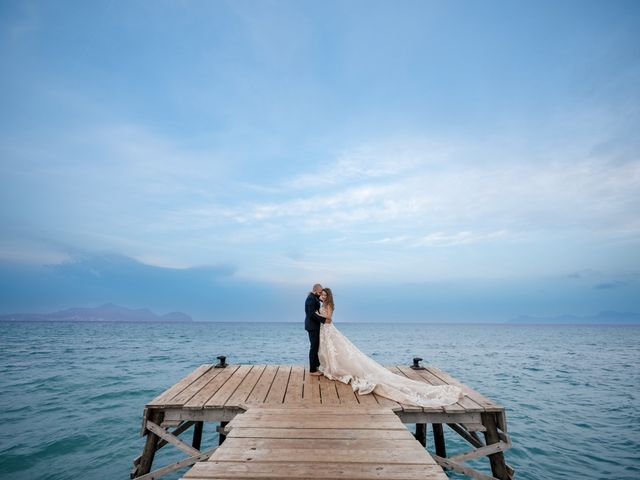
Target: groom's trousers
point(314, 339)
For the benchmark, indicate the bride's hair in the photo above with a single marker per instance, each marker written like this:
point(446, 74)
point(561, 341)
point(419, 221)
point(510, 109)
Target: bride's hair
point(329, 301)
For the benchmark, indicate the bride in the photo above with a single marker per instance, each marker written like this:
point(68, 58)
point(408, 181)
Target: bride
point(341, 360)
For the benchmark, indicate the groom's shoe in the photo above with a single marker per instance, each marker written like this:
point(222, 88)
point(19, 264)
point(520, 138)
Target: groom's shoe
point(315, 374)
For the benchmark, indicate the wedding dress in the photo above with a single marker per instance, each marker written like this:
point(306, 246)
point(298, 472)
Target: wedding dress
point(341, 360)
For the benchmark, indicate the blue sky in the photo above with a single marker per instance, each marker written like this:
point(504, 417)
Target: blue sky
point(443, 161)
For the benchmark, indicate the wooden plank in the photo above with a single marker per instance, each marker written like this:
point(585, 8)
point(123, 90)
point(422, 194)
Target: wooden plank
point(320, 469)
point(363, 415)
point(317, 433)
point(470, 437)
point(418, 376)
point(260, 391)
point(239, 397)
point(346, 394)
point(386, 402)
point(414, 456)
point(485, 402)
point(474, 427)
point(376, 443)
point(458, 467)
point(294, 387)
point(410, 373)
point(186, 395)
point(260, 421)
point(160, 400)
point(405, 407)
point(311, 388)
point(480, 452)
point(209, 390)
point(162, 433)
point(369, 400)
point(184, 426)
point(501, 420)
point(279, 386)
point(219, 399)
point(328, 393)
point(356, 409)
point(176, 465)
point(317, 422)
point(468, 403)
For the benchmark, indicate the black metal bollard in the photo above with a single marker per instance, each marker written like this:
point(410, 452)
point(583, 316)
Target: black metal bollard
point(416, 364)
point(221, 361)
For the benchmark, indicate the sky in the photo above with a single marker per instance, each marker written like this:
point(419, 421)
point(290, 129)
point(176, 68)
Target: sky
point(429, 160)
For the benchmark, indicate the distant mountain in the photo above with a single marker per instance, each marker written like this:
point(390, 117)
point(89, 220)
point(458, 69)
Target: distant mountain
point(602, 318)
point(105, 313)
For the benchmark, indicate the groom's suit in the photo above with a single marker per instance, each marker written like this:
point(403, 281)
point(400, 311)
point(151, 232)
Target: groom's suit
point(312, 323)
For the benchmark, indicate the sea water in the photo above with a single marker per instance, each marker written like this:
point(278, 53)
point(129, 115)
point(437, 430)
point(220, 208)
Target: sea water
point(72, 394)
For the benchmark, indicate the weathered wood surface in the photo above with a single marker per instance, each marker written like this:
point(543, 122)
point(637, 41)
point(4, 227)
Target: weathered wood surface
point(241, 386)
point(346, 443)
point(286, 423)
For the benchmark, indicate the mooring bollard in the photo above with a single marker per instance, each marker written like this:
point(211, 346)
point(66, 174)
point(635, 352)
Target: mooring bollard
point(221, 361)
point(416, 364)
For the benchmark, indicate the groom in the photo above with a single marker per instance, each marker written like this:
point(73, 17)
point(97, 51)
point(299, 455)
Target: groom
point(312, 323)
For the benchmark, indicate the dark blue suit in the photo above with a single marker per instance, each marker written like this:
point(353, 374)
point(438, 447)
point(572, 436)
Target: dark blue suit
point(312, 323)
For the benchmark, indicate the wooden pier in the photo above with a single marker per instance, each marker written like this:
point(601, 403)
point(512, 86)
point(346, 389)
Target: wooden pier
point(277, 421)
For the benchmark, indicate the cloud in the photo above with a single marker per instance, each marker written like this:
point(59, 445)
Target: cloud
point(440, 239)
point(609, 285)
point(382, 160)
point(216, 293)
point(575, 194)
point(621, 280)
point(166, 204)
point(207, 292)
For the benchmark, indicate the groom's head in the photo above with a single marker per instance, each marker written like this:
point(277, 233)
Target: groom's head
point(317, 289)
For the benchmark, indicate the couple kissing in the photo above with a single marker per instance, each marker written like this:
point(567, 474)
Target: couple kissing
point(318, 309)
point(333, 355)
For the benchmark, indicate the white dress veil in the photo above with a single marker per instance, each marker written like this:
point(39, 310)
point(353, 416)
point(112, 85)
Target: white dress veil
point(341, 360)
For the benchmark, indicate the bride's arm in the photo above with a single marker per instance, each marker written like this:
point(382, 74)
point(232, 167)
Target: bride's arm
point(327, 315)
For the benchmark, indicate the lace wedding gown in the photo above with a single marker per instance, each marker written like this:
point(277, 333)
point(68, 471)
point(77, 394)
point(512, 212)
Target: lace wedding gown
point(341, 360)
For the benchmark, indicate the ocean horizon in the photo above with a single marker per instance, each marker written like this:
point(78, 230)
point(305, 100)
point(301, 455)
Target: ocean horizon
point(355, 322)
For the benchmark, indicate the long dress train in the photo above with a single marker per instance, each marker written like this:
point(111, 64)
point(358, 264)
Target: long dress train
point(341, 360)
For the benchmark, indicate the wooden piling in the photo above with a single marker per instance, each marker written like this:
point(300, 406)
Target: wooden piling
point(221, 436)
point(498, 465)
point(438, 440)
point(421, 433)
point(197, 435)
point(150, 446)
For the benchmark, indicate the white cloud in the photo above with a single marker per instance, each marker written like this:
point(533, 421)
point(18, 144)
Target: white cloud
point(165, 204)
point(382, 160)
point(587, 194)
point(441, 239)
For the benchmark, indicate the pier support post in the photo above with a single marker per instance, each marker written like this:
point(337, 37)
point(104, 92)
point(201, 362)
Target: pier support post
point(421, 433)
point(197, 435)
point(498, 465)
point(438, 439)
point(221, 435)
point(150, 446)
